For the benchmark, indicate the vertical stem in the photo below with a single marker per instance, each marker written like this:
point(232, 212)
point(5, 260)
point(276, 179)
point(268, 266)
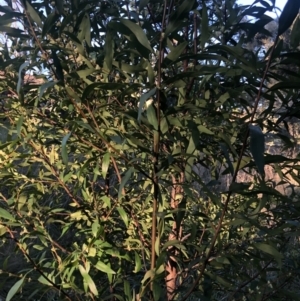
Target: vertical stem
point(223, 213)
point(156, 145)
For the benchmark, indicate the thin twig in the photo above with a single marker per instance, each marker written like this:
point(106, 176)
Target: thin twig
point(220, 223)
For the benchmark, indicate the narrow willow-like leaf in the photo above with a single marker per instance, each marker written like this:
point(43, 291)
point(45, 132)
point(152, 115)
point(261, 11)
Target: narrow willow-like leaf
point(151, 116)
point(33, 14)
point(125, 179)
point(60, 6)
point(88, 280)
point(6, 215)
point(143, 99)
point(157, 290)
point(143, 3)
point(138, 262)
point(288, 15)
point(101, 266)
point(85, 29)
point(19, 125)
point(105, 164)
point(268, 249)
point(49, 23)
point(204, 26)
point(224, 148)
point(44, 87)
point(295, 34)
point(109, 50)
point(123, 216)
point(20, 79)
point(127, 290)
point(177, 19)
point(257, 147)
point(177, 51)
point(203, 129)
point(138, 32)
point(285, 85)
point(64, 151)
point(15, 289)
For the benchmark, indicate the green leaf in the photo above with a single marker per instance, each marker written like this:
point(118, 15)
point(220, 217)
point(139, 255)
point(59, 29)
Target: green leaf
point(288, 15)
point(177, 18)
point(295, 34)
point(151, 116)
point(285, 85)
point(43, 280)
point(127, 290)
point(105, 86)
point(138, 263)
point(60, 6)
point(20, 78)
point(123, 215)
point(188, 168)
point(176, 52)
point(15, 289)
point(138, 32)
point(85, 72)
point(64, 151)
point(151, 75)
point(101, 266)
point(88, 280)
point(109, 50)
point(44, 87)
point(191, 146)
point(203, 129)
point(85, 29)
point(224, 149)
point(19, 125)
point(204, 26)
point(33, 14)
point(105, 164)
point(59, 73)
point(257, 147)
point(6, 215)
point(143, 99)
point(143, 3)
point(49, 23)
point(269, 250)
point(157, 290)
point(6, 19)
point(124, 181)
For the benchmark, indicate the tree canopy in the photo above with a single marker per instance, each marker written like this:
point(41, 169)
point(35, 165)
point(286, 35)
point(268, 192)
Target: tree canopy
point(149, 150)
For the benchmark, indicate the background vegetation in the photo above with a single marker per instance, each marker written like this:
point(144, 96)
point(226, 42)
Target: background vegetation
point(149, 150)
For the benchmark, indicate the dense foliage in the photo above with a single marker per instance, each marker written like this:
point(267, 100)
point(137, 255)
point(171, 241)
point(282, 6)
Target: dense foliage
point(133, 150)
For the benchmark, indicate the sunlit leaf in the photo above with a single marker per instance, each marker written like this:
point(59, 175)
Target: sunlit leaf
point(6, 215)
point(88, 280)
point(64, 151)
point(101, 266)
point(15, 289)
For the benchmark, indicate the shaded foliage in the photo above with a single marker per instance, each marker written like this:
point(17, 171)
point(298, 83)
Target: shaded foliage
point(103, 155)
